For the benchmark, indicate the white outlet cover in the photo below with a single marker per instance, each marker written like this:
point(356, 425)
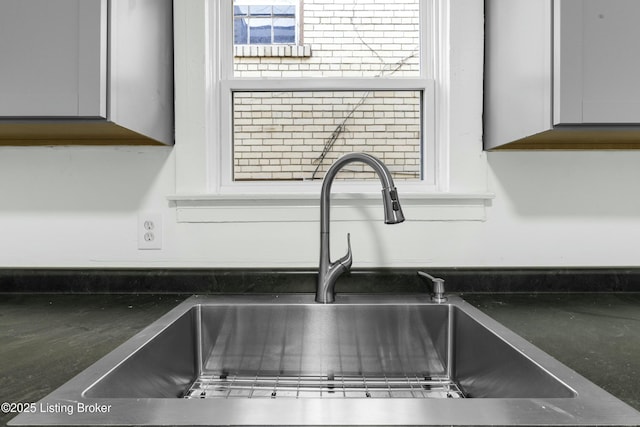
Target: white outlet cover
point(149, 230)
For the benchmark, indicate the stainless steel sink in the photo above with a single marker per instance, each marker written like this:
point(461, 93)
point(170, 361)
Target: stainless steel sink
point(365, 360)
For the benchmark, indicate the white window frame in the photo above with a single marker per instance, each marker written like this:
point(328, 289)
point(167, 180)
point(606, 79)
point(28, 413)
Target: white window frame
point(222, 142)
point(460, 191)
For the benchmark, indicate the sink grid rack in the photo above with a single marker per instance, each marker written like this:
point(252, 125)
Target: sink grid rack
point(325, 386)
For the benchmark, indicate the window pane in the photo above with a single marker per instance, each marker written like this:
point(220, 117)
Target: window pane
point(298, 135)
point(240, 31)
point(284, 10)
point(240, 10)
point(348, 38)
point(260, 31)
point(284, 30)
point(260, 10)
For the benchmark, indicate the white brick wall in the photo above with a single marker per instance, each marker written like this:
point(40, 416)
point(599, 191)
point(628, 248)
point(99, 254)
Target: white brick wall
point(279, 135)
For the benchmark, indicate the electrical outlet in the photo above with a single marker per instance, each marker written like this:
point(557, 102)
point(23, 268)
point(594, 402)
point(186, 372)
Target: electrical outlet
point(150, 231)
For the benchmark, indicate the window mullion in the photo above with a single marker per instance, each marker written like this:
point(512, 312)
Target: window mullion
point(328, 84)
point(273, 27)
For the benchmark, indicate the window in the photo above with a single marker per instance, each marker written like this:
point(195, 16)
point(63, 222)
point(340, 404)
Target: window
point(442, 81)
point(366, 87)
point(260, 23)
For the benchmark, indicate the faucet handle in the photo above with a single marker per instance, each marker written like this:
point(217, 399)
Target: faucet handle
point(438, 295)
point(347, 260)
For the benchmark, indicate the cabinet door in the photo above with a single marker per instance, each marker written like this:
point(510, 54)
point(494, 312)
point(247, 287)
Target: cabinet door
point(53, 58)
point(597, 62)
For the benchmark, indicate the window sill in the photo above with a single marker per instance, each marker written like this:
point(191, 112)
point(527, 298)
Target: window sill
point(242, 208)
point(285, 51)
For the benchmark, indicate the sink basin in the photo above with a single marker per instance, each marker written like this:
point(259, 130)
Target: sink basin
point(365, 360)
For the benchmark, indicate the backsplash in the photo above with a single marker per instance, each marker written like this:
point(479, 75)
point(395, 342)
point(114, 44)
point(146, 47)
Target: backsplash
point(188, 281)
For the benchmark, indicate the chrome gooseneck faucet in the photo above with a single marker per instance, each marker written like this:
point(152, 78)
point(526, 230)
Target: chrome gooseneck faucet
point(330, 271)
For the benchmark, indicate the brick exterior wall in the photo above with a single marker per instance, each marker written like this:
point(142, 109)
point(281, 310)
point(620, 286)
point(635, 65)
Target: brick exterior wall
point(280, 135)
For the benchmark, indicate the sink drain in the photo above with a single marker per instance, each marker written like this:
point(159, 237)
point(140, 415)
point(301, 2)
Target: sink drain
point(329, 386)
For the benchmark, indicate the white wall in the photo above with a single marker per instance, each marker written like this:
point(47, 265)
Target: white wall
point(79, 206)
point(565, 208)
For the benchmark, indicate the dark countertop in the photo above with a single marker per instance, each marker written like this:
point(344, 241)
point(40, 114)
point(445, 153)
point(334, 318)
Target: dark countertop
point(595, 334)
point(47, 339)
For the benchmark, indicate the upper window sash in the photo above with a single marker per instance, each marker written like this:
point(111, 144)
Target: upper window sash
point(221, 18)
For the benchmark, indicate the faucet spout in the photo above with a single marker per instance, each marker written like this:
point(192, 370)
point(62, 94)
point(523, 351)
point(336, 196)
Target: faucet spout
point(328, 271)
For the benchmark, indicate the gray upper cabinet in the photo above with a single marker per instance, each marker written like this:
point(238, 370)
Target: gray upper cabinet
point(86, 72)
point(53, 58)
point(562, 74)
point(597, 57)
